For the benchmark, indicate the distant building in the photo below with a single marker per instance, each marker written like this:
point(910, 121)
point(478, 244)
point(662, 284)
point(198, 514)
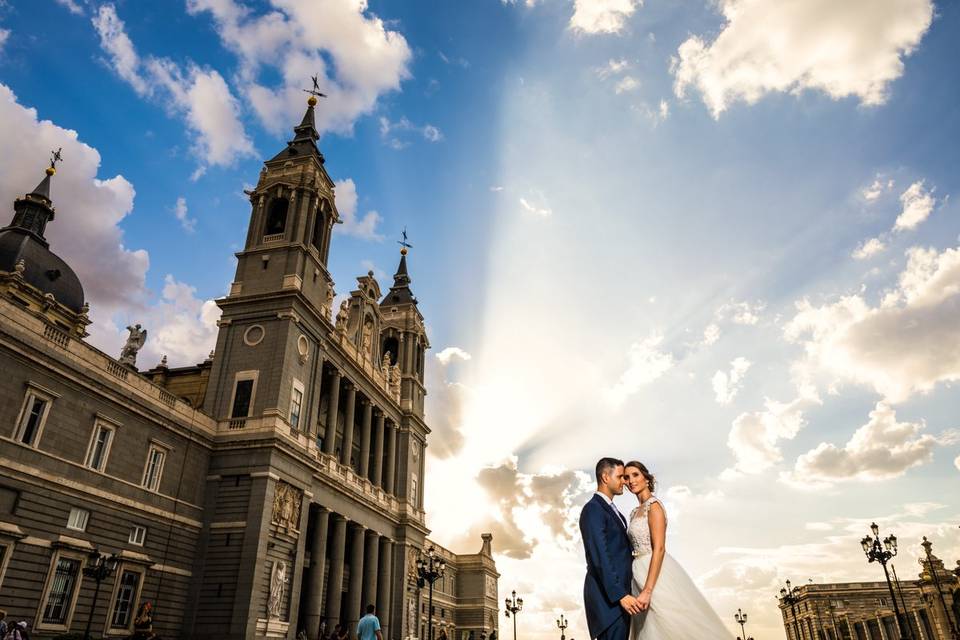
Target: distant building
point(273, 488)
point(864, 610)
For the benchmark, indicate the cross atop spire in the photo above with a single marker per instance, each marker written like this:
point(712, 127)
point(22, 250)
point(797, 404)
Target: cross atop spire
point(315, 92)
point(403, 243)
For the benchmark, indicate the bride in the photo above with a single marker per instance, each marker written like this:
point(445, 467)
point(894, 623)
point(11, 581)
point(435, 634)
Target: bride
point(673, 607)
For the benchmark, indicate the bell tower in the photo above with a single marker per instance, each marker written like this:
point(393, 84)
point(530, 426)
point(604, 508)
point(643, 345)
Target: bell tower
point(278, 311)
point(292, 218)
point(404, 338)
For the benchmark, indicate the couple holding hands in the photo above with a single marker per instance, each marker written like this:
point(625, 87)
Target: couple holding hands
point(633, 588)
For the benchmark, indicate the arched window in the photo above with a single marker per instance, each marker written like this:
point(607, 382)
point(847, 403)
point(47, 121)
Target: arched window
point(392, 346)
point(276, 217)
point(319, 225)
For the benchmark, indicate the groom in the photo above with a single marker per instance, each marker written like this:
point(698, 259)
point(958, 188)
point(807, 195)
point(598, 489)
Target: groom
point(607, 588)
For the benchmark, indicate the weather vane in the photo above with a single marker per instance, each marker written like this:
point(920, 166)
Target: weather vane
point(403, 243)
point(55, 157)
point(315, 92)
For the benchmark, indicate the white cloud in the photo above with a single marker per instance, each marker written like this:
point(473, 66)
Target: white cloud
point(726, 385)
point(346, 199)
point(626, 84)
point(646, 363)
point(876, 189)
point(664, 109)
point(869, 248)
point(180, 212)
point(745, 313)
point(541, 209)
point(71, 6)
point(358, 58)
point(4, 34)
point(907, 344)
point(755, 436)
point(711, 334)
point(450, 354)
point(612, 68)
point(853, 48)
point(917, 205)
point(200, 96)
point(180, 326)
point(114, 40)
point(393, 133)
point(601, 16)
point(956, 463)
point(881, 449)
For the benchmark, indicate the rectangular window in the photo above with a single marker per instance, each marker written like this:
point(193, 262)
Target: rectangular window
point(137, 535)
point(123, 604)
point(241, 399)
point(32, 419)
point(99, 446)
point(78, 519)
point(296, 405)
point(63, 584)
point(154, 469)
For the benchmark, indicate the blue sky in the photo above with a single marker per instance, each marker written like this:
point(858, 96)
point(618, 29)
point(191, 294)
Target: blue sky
point(720, 237)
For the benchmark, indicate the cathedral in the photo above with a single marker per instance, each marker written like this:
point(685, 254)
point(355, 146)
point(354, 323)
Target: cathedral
point(272, 491)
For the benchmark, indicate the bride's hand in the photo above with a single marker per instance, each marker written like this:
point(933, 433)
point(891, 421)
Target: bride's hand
point(644, 599)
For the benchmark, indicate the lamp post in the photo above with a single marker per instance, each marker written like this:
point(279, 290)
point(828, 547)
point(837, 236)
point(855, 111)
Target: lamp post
point(790, 595)
point(429, 570)
point(99, 568)
point(562, 625)
point(927, 547)
point(741, 619)
point(882, 553)
point(513, 605)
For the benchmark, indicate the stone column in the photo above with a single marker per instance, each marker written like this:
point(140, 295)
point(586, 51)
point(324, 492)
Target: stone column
point(363, 467)
point(391, 461)
point(384, 586)
point(851, 629)
point(330, 439)
point(916, 616)
point(348, 425)
point(356, 578)
point(335, 584)
point(376, 476)
point(370, 565)
point(883, 631)
point(318, 549)
point(313, 394)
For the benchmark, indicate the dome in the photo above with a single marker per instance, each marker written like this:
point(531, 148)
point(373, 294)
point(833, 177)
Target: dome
point(43, 269)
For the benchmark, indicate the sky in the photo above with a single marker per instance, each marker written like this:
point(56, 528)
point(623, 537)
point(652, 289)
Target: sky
point(717, 236)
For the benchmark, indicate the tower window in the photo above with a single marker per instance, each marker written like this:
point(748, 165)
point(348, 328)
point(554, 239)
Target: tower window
point(391, 346)
point(319, 223)
point(276, 217)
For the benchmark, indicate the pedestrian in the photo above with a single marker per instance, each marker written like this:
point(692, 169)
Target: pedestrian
point(17, 631)
point(3, 623)
point(343, 631)
point(369, 626)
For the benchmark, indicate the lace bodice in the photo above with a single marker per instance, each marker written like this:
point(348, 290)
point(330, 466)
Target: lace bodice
point(639, 528)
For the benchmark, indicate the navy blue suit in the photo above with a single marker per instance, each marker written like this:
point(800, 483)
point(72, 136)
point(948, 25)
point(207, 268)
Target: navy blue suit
point(609, 570)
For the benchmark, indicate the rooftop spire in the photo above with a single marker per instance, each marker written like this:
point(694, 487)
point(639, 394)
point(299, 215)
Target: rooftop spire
point(33, 211)
point(305, 134)
point(400, 292)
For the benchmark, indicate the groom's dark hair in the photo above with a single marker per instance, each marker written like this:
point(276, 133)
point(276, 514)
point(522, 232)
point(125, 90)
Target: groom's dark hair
point(605, 465)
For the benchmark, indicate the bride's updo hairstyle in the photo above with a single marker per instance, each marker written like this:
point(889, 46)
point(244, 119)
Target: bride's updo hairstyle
point(642, 468)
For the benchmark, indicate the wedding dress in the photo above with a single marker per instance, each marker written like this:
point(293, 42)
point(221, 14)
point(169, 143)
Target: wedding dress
point(678, 611)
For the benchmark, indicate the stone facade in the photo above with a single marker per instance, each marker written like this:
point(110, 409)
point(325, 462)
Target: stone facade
point(864, 610)
point(276, 487)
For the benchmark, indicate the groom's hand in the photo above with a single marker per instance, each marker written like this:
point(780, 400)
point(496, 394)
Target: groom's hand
point(630, 604)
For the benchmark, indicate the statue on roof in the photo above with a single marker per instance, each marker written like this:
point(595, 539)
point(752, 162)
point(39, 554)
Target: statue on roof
point(135, 342)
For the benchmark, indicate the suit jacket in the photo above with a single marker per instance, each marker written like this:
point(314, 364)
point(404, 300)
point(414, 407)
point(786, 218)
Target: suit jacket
point(609, 564)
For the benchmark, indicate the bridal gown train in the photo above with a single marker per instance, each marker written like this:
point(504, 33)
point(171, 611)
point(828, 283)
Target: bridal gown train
point(678, 611)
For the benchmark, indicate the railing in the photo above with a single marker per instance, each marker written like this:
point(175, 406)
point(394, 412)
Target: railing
point(54, 335)
point(273, 237)
point(117, 370)
point(237, 423)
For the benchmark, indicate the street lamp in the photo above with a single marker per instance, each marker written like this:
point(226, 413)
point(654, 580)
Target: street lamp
point(430, 570)
point(741, 619)
point(882, 553)
point(99, 568)
point(513, 605)
point(790, 595)
point(927, 547)
point(562, 625)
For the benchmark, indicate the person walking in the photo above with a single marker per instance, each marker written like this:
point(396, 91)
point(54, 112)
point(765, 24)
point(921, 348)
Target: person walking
point(369, 626)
